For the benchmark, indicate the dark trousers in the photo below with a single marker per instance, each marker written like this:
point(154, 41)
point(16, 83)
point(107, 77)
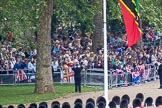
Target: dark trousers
point(160, 79)
point(77, 84)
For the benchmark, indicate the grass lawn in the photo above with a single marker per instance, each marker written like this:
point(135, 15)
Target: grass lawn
point(16, 94)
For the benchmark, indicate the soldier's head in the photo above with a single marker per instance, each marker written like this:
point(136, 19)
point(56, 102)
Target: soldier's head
point(78, 100)
point(66, 105)
point(158, 101)
point(126, 97)
point(112, 104)
point(124, 103)
point(90, 100)
point(33, 105)
point(43, 105)
point(148, 102)
point(90, 105)
point(140, 96)
point(55, 104)
point(101, 102)
point(21, 106)
point(136, 103)
point(78, 103)
point(116, 99)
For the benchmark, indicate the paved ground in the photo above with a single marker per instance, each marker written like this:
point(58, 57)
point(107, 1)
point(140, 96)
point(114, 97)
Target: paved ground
point(148, 89)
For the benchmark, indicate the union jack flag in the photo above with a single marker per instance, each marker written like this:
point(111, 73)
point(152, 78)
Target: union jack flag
point(135, 76)
point(20, 75)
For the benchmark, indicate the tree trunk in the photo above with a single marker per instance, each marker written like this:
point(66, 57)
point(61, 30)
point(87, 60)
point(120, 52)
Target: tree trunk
point(44, 80)
point(97, 39)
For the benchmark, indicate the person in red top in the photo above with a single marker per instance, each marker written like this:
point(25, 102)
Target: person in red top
point(10, 36)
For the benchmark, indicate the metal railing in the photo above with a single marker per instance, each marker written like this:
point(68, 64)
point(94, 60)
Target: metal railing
point(13, 77)
point(115, 79)
point(93, 76)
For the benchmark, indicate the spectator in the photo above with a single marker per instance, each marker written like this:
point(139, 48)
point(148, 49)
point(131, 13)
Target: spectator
point(32, 65)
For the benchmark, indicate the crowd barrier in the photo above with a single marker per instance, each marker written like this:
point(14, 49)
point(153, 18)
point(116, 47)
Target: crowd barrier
point(93, 76)
point(13, 77)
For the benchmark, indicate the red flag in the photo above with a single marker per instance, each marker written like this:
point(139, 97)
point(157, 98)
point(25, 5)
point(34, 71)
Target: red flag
point(131, 20)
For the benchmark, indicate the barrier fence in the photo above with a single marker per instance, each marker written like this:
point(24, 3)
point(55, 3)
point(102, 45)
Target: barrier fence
point(93, 76)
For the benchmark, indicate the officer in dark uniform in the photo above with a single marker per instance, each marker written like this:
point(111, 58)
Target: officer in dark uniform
point(77, 76)
point(160, 73)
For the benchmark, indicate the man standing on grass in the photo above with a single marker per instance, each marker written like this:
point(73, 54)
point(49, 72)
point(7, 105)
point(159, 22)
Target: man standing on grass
point(160, 73)
point(77, 76)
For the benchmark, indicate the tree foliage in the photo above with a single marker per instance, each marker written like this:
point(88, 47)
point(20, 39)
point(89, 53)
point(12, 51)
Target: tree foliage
point(78, 12)
point(151, 12)
point(18, 16)
point(114, 18)
point(32, 15)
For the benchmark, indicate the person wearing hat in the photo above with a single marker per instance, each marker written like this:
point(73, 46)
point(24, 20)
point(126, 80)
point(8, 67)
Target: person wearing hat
point(158, 102)
point(101, 102)
point(160, 73)
point(148, 102)
point(66, 105)
point(124, 104)
point(55, 104)
point(137, 103)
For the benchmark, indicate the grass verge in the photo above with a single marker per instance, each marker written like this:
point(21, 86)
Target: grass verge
point(16, 94)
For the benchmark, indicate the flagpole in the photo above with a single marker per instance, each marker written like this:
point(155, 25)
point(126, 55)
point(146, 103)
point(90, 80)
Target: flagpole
point(105, 55)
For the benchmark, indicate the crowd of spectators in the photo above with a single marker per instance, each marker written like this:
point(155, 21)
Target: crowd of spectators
point(74, 47)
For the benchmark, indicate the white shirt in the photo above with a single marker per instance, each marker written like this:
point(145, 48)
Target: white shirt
point(32, 66)
point(55, 65)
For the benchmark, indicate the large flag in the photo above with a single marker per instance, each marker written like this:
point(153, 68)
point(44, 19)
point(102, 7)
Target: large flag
point(130, 12)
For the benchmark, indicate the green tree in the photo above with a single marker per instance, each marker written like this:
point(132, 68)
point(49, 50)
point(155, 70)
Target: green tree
point(78, 12)
point(151, 12)
point(31, 15)
point(44, 81)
